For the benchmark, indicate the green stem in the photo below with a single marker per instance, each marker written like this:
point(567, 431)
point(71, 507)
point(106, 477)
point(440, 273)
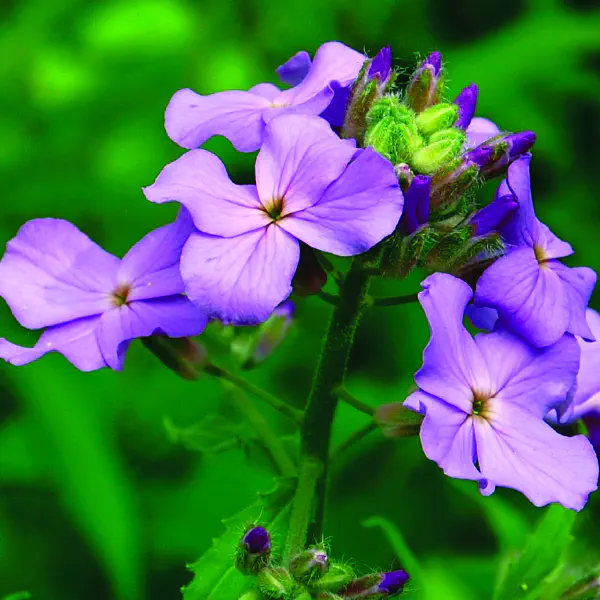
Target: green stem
point(308, 505)
point(292, 413)
point(328, 266)
point(395, 301)
point(272, 442)
point(349, 442)
point(329, 298)
point(343, 394)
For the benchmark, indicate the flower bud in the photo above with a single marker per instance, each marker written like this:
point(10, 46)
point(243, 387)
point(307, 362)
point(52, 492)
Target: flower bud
point(184, 356)
point(310, 276)
point(381, 65)
point(337, 576)
point(251, 595)
point(416, 203)
point(425, 87)
point(493, 216)
point(276, 583)
point(506, 149)
point(404, 174)
point(309, 564)
point(442, 148)
point(396, 420)
point(254, 551)
point(377, 585)
point(466, 102)
point(436, 117)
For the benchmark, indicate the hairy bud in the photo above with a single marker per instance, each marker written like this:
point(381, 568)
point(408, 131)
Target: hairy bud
point(443, 146)
point(309, 564)
point(436, 117)
point(254, 551)
point(466, 103)
point(276, 583)
point(337, 576)
point(377, 585)
point(427, 83)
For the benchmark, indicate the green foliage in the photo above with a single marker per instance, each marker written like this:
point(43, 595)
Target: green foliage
point(18, 596)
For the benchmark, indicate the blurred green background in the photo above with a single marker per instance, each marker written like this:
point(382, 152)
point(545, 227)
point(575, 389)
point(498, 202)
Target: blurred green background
point(97, 501)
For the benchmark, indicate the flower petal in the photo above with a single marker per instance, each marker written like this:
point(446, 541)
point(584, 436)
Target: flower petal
point(446, 436)
point(295, 69)
point(520, 451)
point(537, 379)
point(191, 119)
point(52, 273)
point(453, 366)
point(587, 395)
point(174, 316)
point(76, 341)
point(265, 90)
point(199, 181)
point(480, 130)
point(531, 300)
point(356, 212)
point(151, 267)
point(300, 157)
point(240, 280)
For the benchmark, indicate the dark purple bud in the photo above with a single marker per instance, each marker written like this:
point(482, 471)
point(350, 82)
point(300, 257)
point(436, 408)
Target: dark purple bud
point(507, 148)
point(466, 102)
point(416, 203)
point(520, 143)
point(479, 156)
point(381, 64)
point(254, 551)
point(426, 85)
point(394, 582)
point(376, 585)
point(257, 540)
point(493, 216)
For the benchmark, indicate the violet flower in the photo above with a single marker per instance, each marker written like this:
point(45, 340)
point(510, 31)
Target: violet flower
point(535, 295)
point(310, 186)
point(91, 302)
point(485, 399)
point(241, 117)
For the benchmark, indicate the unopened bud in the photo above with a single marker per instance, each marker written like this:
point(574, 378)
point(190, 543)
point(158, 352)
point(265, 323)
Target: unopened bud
point(184, 356)
point(466, 102)
point(436, 117)
point(276, 583)
point(416, 203)
point(254, 551)
point(506, 149)
point(338, 576)
point(381, 65)
point(493, 216)
point(251, 595)
point(310, 276)
point(309, 564)
point(404, 174)
point(443, 146)
point(377, 585)
point(395, 420)
point(426, 85)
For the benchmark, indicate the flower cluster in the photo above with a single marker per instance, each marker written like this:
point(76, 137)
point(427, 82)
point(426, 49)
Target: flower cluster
point(348, 164)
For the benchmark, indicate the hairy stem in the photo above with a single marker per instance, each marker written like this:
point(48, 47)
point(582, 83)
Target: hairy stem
point(308, 505)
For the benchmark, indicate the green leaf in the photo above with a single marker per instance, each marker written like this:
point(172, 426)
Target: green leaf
point(215, 576)
point(525, 573)
point(18, 596)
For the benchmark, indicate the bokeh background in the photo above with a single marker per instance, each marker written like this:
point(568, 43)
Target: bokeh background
point(107, 485)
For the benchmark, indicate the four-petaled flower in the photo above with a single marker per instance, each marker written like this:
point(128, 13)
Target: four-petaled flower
point(310, 186)
point(91, 302)
point(535, 295)
point(320, 88)
point(485, 400)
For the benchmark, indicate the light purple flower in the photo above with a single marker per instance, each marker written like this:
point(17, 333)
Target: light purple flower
point(535, 295)
point(241, 117)
point(485, 399)
point(92, 303)
point(310, 186)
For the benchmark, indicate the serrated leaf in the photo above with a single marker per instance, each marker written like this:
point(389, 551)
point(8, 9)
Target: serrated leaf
point(215, 576)
point(524, 575)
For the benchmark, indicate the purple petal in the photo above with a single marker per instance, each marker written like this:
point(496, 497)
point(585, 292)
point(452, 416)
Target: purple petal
point(536, 379)
point(52, 273)
point(416, 203)
point(199, 181)
point(76, 341)
point(151, 268)
point(446, 436)
point(240, 280)
point(466, 102)
point(482, 317)
point(578, 284)
point(587, 395)
point(530, 299)
point(356, 212)
point(174, 316)
point(493, 216)
point(191, 119)
point(265, 90)
point(333, 62)
point(295, 69)
point(520, 451)
point(300, 157)
point(480, 130)
point(453, 366)
point(381, 64)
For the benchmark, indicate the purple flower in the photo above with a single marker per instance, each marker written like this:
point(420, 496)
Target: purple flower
point(535, 295)
point(92, 303)
point(485, 399)
point(381, 65)
point(493, 216)
point(241, 117)
point(310, 186)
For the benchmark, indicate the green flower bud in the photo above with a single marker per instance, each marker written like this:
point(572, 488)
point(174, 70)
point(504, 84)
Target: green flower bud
point(276, 583)
point(389, 106)
point(443, 147)
point(437, 117)
point(184, 356)
point(336, 577)
point(309, 564)
point(396, 420)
